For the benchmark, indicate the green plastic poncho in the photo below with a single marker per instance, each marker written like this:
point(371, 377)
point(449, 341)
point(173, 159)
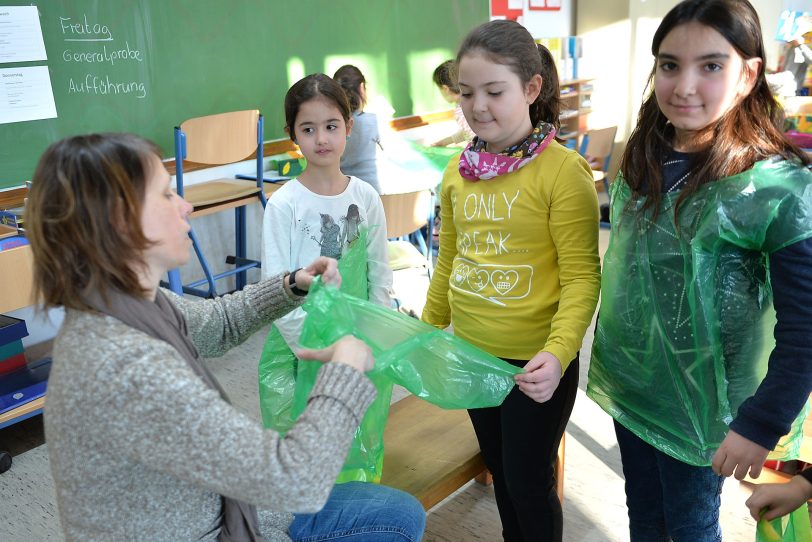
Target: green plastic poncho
point(281, 380)
point(432, 364)
point(685, 324)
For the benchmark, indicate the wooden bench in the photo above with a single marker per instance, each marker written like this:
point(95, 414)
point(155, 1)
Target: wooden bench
point(430, 452)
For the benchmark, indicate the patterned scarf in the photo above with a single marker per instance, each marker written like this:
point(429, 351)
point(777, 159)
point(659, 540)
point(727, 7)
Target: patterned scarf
point(478, 164)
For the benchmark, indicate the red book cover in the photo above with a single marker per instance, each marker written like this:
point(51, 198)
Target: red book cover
point(11, 364)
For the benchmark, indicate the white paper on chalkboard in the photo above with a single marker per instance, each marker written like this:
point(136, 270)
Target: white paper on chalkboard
point(20, 34)
point(26, 94)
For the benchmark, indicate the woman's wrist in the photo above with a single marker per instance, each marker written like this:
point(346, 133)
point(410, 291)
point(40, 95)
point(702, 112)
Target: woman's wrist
point(292, 284)
point(358, 365)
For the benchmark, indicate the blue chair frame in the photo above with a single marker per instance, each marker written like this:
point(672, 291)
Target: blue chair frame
point(242, 264)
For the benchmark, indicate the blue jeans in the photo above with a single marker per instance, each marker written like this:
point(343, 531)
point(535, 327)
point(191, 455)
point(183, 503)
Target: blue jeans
point(668, 500)
point(361, 512)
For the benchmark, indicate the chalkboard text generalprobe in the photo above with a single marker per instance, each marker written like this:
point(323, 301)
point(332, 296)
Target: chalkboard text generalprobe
point(105, 55)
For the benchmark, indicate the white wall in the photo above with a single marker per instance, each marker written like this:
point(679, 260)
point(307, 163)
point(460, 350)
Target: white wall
point(550, 24)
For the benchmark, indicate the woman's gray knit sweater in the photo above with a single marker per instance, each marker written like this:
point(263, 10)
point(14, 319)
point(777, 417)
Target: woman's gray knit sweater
point(141, 448)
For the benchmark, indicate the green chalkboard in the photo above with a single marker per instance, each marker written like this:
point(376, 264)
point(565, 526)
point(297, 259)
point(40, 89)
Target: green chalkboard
point(155, 63)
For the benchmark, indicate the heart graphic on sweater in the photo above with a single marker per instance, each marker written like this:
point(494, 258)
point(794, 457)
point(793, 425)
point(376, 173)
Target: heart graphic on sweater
point(478, 280)
point(504, 281)
point(461, 273)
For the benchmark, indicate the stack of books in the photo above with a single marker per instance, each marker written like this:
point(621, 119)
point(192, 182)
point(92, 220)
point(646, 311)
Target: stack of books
point(566, 51)
point(20, 381)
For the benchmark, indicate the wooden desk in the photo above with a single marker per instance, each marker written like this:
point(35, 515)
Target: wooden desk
point(22, 412)
point(429, 452)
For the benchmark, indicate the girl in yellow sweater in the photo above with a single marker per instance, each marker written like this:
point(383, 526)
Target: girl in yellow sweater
point(518, 271)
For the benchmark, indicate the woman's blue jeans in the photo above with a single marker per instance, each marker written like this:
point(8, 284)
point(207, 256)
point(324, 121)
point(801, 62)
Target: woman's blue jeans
point(361, 512)
point(668, 500)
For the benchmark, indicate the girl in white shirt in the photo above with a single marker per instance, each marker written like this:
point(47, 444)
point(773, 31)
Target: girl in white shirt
point(322, 211)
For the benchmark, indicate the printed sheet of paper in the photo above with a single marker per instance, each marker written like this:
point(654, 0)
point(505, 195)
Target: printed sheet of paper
point(20, 34)
point(26, 94)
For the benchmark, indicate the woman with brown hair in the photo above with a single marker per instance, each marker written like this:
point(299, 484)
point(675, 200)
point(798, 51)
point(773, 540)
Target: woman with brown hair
point(142, 440)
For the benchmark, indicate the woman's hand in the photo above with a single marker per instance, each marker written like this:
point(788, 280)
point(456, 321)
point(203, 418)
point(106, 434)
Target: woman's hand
point(540, 377)
point(322, 266)
point(737, 455)
point(778, 500)
point(347, 350)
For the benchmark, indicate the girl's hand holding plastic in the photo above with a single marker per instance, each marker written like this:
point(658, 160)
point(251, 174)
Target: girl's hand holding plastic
point(737, 455)
point(776, 500)
point(322, 266)
point(347, 350)
point(540, 377)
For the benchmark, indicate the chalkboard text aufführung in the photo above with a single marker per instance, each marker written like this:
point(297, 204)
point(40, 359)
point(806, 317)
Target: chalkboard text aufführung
point(94, 84)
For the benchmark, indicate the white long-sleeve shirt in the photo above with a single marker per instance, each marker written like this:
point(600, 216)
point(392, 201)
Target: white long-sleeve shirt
point(299, 226)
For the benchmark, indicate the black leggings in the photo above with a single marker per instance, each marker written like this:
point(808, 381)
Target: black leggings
point(519, 441)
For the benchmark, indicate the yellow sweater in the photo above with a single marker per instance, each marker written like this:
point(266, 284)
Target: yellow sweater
point(518, 270)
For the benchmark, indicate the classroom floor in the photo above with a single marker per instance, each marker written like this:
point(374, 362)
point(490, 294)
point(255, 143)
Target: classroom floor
point(594, 509)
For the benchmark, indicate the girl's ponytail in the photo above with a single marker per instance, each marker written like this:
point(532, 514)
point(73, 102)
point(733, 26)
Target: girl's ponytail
point(548, 103)
point(350, 78)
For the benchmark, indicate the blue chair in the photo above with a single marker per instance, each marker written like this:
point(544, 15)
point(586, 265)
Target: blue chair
point(597, 147)
point(216, 140)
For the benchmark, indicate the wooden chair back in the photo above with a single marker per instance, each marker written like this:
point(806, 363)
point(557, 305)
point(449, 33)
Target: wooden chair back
point(405, 213)
point(599, 144)
point(221, 139)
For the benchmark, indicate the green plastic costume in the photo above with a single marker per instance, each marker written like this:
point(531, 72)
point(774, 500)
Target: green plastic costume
point(281, 380)
point(794, 527)
point(685, 324)
point(433, 365)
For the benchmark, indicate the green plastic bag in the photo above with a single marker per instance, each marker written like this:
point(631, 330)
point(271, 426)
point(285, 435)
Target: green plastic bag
point(794, 527)
point(686, 316)
point(432, 364)
point(278, 367)
point(282, 377)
